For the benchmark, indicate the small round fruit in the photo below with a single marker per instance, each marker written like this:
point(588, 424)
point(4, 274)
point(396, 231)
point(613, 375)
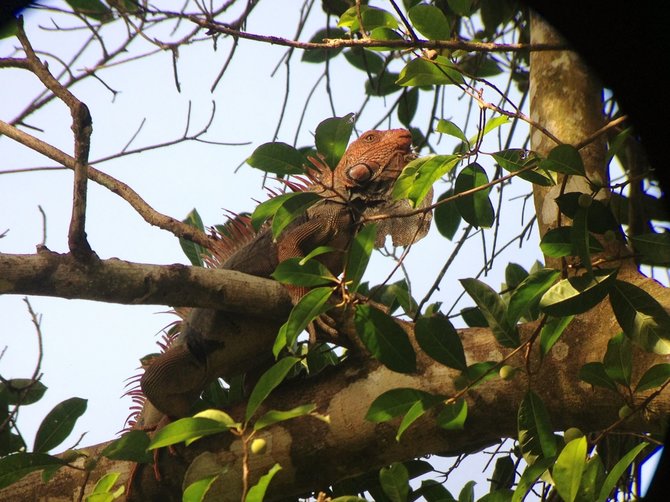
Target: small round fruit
point(507, 372)
point(258, 446)
point(584, 200)
point(90, 463)
point(624, 411)
point(572, 433)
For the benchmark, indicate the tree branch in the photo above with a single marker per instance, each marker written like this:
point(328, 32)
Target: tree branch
point(149, 214)
point(116, 281)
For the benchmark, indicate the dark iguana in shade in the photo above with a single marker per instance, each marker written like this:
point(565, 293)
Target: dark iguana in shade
point(217, 344)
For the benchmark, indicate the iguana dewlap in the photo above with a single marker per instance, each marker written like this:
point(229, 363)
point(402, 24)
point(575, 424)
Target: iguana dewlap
point(217, 344)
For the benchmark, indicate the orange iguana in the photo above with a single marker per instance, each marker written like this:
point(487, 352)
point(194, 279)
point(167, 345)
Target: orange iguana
point(217, 344)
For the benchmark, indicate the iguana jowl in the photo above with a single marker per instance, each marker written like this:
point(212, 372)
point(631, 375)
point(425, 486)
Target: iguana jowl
point(217, 344)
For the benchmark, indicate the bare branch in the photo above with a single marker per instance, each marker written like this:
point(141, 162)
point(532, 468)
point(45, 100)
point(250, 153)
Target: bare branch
point(149, 214)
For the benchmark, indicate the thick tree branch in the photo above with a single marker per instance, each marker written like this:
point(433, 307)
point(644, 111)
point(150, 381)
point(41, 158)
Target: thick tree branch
point(116, 281)
point(313, 454)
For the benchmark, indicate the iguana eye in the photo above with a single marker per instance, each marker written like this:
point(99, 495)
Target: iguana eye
point(370, 137)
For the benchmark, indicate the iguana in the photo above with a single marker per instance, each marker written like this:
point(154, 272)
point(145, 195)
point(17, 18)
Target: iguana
point(217, 344)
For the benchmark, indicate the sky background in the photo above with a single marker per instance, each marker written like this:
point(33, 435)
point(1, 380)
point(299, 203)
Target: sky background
point(91, 348)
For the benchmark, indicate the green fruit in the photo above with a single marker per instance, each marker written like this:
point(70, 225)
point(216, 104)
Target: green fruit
point(572, 433)
point(507, 372)
point(584, 200)
point(258, 446)
point(624, 411)
point(90, 463)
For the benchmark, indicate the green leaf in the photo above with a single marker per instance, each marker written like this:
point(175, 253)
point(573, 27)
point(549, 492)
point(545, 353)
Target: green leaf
point(618, 359)
point(494, 310)
point(372, 17)
point(655, 376)
point(453, 415)
point(299, 272)
point(592, 479)
point(385, 339)
point(564, 159)
point(321, 55)
point(276, 416)
point(438, 338)
point(394, 480)
point(503, 473)
point(463, 8)
point(618, 470)
point(17, 465)
point(475, 208)
point(186, 430)
point(359, 256)
point(257, 492)
point(132, 446)
point(595, 374)
point(447, 217)
point(278, 158)
point(641, 317)
point(552, 331)
point(308, 308)
point(448, 127)
point(580, 238)
point(196, 491)
point(292, 208)
point(413, 414)
point(382, 84)
point(653, 248)
point(514, 275)
point(58, 424)
point(577, 295)
point(492, 125)
point(600, 218)
point(407, 105)
point(419, 175)
point(472, 316)
point(558, 242)
point(94, 9)
point(515, 159)
point(530, 475)
point(481, 372)
point(569, 468)
point(432, 491)
point(267, 209)
point(267, 383)
point(527, 295)
point(106, 483)
point(194, 252)
point(365, 60)
point(419, 72)
point(23, 391)
point(430, 22)
point(332, 136)
point(467, 492)
point(536, 434)
point(396, 402)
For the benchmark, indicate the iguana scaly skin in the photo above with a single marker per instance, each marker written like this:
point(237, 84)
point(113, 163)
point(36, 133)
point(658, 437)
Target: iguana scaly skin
point(217, 344)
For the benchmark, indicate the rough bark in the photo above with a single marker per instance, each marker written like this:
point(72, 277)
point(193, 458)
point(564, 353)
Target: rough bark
point(116, 281)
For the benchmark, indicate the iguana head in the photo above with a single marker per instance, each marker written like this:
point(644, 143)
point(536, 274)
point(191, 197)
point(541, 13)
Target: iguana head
point(373, 162)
